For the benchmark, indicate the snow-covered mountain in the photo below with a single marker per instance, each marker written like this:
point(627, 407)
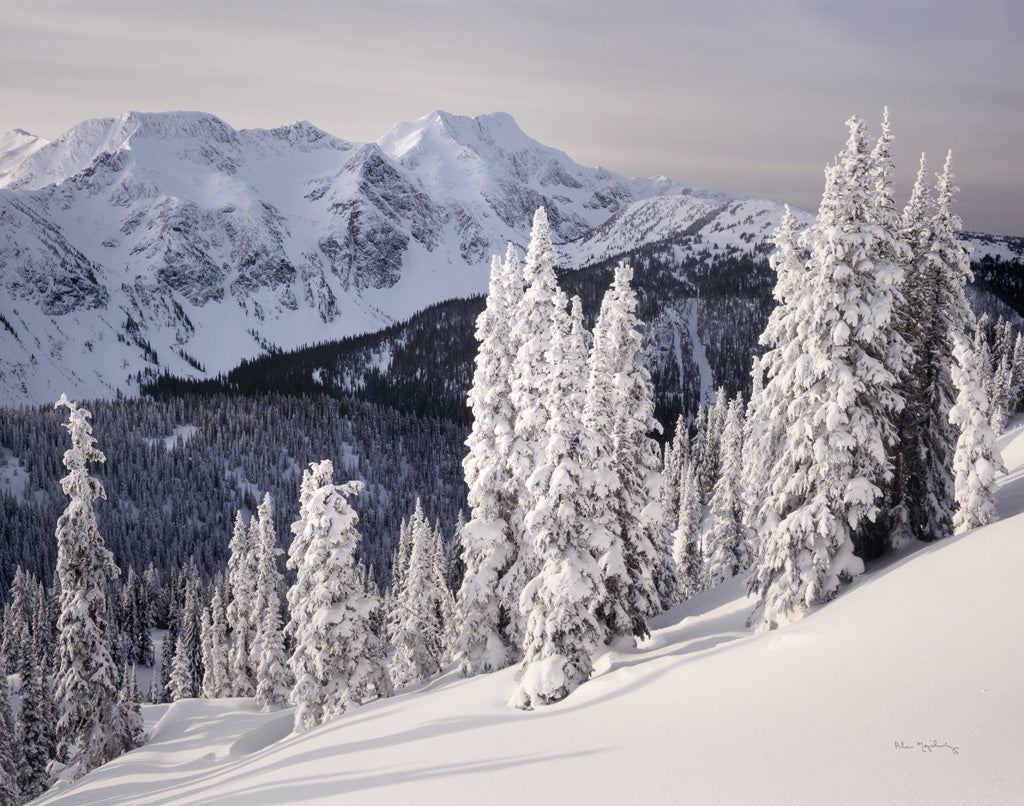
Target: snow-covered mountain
point(154, 242)
point(15, 147)
point(173, 242)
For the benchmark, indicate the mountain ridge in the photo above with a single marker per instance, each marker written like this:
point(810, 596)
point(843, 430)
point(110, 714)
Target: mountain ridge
point(171, 242)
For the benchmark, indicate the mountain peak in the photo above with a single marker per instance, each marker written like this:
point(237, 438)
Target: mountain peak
point(494, 132)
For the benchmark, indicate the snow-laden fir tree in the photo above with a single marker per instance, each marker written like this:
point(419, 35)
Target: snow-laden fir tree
point(1018, 372)
point(43, 624)
point(444, 599)
point(17, 631)
point(935, 314)
point(242, 574)
point(562, 632)
point(766, 412)
point(129, 713)
point(273, 681)
point(86, 678)
point(10, 763)
point(216, 678)
point(180, 684)
point(686, 539)
point(337, 663)
point(136, 620)
point(834, 390)
point(187, 663)
point(415, 628)
point(976, 459)
point(488, 546)
point(728, 547)
point(707, 443)
point(301, 662)
point(1005, 383)
point(538, 314)
point(619, 411)
point(35, 736)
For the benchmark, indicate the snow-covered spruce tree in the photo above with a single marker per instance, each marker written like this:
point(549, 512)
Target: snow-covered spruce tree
point(415, 630)
point(187, 662)
point(10, 763)
point(87, 678)
point(44, 629)
point(179, 685)
point(728, 547)
point(1018, 373)
point(454, 562)
point(562, 633)
point(619, 410)
point(136, 620)
point(338, 665)
point(444, 599)
point(17, 631)
point(834, 388)
point(539, 312)
point(976, 460)
point(35, 735)
point(241, 581)
point(302, 661)
point(766, 413)
point(936, 311)
point(129, 713)
point(273, 682)
point(488, 547)
point(686, 545)
point(216, 680)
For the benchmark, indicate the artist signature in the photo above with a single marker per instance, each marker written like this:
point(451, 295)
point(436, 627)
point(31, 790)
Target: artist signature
point(927, 747)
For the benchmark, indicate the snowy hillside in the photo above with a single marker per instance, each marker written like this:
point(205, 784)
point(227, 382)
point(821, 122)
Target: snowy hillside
point(905, 690)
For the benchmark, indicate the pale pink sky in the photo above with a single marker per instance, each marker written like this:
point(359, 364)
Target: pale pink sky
point(746, 96)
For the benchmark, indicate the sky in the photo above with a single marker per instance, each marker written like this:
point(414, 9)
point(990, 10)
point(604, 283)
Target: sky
point(749, 97)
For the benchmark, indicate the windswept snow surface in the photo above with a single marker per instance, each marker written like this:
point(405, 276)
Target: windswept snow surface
point(906, 689)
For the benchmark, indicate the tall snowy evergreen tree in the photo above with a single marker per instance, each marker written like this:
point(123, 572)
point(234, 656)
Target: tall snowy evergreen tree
point(686, 546)
point(416, 631)
point(216, 677)
point(189, 639)
point(834, 388)
point(976, 460)
point(562, 633)
point(87, 678)
point(488, 546)
point(129, 713)
point(272, 677)
point(242, 575)
point(302, 661)
point(538, 314)
point(335, 661)
point(35, 736)
point(9, 761)
point(17, 631)
point(935, 314)
point(619, 411)
point(180, 684)
point(728, 544)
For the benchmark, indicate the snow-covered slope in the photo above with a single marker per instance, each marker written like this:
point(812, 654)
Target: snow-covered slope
point(904, 690)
